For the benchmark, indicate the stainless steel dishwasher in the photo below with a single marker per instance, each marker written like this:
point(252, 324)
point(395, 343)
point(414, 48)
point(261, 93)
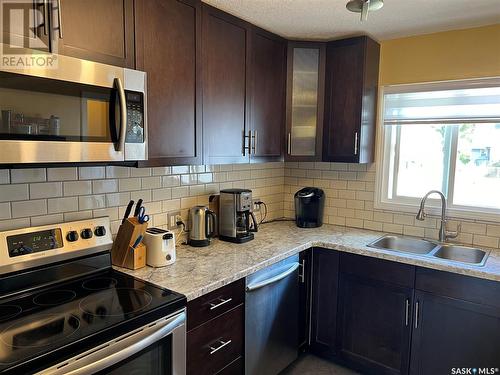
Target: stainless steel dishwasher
point(271, 317)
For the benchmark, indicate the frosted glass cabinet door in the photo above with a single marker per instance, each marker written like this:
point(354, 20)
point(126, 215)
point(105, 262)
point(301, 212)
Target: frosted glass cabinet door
point(305, 101)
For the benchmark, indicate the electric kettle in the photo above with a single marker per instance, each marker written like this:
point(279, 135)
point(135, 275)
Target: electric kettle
point(201, 226)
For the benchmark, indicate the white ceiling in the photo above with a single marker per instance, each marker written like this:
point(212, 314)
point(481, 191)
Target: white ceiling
point(329, 19)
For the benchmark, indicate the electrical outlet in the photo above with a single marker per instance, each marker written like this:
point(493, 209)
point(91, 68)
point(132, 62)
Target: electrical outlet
point(256, 207)
point(173, 217)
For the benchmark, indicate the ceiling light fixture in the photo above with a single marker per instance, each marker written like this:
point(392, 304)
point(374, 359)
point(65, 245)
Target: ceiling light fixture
point(364, 6)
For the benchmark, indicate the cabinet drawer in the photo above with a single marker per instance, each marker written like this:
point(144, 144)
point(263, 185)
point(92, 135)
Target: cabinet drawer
point(213, 304)
point(235, 367)
point(467, 288)
point(214, 345)
point(377, 269)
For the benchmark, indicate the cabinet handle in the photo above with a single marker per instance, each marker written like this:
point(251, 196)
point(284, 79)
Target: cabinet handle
point(254, 137)
point(289, 147)
point(214, 349)
point(416, 314)
point(45, 16)
point(356, 143)
point(302, 275)
point(213, 306)
point(407, 312)
point(59, 19)
point(245, 147)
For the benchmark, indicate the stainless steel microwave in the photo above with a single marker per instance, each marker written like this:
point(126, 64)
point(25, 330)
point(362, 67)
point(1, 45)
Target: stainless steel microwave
point(77, 111)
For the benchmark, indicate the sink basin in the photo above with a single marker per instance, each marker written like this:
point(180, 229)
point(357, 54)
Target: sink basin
point(404, 244)
point(446, 251)
point(461, 254)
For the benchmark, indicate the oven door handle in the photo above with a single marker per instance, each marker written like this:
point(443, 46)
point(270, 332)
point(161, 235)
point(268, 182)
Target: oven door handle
point(118, 350)
point(120, 142)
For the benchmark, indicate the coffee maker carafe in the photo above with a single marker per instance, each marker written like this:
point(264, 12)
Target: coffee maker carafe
point(236, 219)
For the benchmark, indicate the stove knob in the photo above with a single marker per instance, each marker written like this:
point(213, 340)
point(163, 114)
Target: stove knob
point(87, 233)
point(72, 236)
point(100, 231)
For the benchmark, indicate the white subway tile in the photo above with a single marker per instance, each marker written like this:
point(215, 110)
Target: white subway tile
point(104, 186)
point(90, 202)
point(196, 190)
point(205, 178)
point(45, 190)
point(485, 241)
point(27, 175)
point(180, 169)
point(140, 172)
point(77, 215)
point(91, 173)
point(4, 176)
point(67, 204)
point(117, 199)
point(62, 174)
point(189, 179)
point(13, 192)
point(493, 230)
point(179, 192)
point(162, 194)
point(72, 188)
point(29, 208)
point(129, 184)
point(46, 220)
point(117, 172)
point(151, 182)
point(161, 171)
point(5, 211)
point(145, 195)
point(171, 181)
point(14, 224)
point(112, 213)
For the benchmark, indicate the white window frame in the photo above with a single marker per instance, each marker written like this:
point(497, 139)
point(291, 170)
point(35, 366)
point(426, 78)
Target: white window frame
point(384, 165)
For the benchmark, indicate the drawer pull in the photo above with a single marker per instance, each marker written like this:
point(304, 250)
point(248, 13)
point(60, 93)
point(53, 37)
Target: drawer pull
point(214, 349)
point(213, 306)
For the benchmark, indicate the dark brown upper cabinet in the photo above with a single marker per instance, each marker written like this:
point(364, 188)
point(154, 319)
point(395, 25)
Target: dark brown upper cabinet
point(351, 100)
point(168, 49)
point(23, 25)
point(305, 100)
point(96, 30)
point(268, 81)
point(225, 61)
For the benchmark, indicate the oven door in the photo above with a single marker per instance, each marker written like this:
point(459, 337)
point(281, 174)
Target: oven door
point(75, 112)
point(158, 348)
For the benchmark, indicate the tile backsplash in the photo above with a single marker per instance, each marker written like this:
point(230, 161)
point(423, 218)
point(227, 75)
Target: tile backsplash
point(350, 193)
point(31, 197)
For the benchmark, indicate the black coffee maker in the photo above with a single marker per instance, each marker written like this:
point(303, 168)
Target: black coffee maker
point(309, 207)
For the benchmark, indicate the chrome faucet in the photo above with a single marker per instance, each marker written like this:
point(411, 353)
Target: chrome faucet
point(444, 235)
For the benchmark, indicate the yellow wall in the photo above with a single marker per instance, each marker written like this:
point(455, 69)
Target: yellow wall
point(456, 54)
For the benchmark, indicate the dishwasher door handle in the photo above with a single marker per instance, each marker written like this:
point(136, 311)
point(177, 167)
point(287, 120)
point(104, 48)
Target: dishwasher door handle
point(271, 280)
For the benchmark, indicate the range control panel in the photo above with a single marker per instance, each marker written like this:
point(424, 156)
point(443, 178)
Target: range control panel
point(38, 245)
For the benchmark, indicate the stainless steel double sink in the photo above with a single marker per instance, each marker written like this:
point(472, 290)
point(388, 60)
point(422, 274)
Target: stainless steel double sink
point(422, 247)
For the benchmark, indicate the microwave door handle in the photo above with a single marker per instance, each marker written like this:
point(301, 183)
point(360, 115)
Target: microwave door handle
point(98, 360)
point(119, 139)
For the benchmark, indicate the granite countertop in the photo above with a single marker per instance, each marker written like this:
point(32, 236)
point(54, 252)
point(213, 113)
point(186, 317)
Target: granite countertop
point(198, 271)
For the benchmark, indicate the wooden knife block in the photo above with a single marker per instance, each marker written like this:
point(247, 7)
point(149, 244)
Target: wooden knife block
point(122, 253)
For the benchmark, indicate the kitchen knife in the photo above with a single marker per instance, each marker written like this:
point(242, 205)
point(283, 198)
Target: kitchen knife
point(127, 211)
point(137, 208)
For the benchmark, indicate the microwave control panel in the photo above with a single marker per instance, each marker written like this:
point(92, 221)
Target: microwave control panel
point(135, 117)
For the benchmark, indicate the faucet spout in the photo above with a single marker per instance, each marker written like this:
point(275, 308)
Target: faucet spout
point(421, 213)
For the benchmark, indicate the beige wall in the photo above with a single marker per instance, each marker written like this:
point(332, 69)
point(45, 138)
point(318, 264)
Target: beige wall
point(450, 55)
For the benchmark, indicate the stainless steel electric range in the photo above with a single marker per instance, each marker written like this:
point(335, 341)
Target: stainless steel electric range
point(64, 310)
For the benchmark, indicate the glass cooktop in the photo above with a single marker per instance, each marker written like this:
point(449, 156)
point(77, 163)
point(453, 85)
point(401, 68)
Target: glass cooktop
point(41, 322)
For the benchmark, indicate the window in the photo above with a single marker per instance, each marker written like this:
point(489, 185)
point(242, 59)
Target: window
point(442, 136)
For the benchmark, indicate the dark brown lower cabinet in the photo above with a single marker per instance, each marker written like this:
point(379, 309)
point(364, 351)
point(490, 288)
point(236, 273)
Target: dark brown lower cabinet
point(382, 317)
point(451, 333)
point(374, 325)
point(215, 337)
point(216, 343)
point(325, 280)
